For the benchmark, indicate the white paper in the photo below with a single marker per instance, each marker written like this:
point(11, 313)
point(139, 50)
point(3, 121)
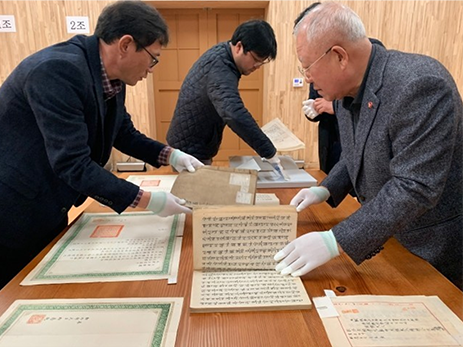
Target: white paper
point(91, 322)
point(325, 307)
point(103, 247)
point(400, 321)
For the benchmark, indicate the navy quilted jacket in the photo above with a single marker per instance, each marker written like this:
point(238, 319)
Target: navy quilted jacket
point(208, 100)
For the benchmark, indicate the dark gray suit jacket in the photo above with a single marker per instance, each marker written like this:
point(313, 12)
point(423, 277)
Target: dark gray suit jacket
point(56, 133)
point(404, 162)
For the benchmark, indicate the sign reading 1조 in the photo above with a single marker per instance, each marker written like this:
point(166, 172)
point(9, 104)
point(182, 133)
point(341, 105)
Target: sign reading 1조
point(7, 24)
point(77, 25)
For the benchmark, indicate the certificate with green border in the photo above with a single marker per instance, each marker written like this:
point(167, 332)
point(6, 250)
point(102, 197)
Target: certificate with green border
point(124, 322)
point(105, 247)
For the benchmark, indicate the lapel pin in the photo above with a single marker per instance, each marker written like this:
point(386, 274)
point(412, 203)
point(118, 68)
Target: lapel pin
point(370, 104)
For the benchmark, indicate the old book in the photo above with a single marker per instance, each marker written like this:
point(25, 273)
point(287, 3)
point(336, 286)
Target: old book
point(282, 138)
point(234, 270)
point(214, 185)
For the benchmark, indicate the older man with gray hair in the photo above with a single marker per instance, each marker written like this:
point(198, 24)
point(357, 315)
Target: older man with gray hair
point(400, 122)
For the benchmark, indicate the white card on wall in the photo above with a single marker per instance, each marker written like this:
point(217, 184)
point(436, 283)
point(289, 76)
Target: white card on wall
point(7, 24)
point(77, 25)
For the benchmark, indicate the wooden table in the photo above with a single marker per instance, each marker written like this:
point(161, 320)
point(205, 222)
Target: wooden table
point(394, 271)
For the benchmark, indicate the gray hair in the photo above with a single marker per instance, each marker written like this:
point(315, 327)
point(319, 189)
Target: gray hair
point(334, 20)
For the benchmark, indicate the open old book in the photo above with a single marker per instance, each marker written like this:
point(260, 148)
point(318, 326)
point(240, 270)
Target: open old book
point(234, 270)
point(282, 138)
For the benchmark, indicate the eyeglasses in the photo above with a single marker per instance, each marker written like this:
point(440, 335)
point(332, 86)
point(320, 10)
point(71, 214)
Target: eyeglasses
point(259, 62)
point(154, 61)
point(303, 71)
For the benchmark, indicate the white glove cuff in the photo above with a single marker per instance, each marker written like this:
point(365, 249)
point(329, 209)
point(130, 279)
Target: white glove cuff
point(174, 155)
point(157, 202)
point(321, 192)
point(330, 242)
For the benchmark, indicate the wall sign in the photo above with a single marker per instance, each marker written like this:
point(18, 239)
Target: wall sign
point(77, 25)
point(7, 24)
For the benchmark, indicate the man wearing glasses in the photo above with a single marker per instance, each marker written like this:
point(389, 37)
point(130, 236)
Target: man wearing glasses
point(209, 98)
point(62, 112)
point(400, 121)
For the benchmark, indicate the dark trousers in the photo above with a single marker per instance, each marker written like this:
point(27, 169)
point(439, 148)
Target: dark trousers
point(12, 261)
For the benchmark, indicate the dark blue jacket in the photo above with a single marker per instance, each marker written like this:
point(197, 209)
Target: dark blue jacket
point(56, 133)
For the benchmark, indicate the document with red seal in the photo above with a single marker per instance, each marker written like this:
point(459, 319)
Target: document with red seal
point(105, 247)
point(91, 322)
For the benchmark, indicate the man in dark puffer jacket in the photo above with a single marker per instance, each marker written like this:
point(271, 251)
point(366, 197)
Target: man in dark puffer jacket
point(209, 98)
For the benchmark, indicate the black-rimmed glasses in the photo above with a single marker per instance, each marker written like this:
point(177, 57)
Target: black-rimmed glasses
point(154, 61)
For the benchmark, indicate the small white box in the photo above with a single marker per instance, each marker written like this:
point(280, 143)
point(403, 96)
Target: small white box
point(298, 82)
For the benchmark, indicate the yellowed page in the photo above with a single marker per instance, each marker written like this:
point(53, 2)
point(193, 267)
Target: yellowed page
point(214, 185)
point(233, 250)
point(241, 237)
point(246, 291)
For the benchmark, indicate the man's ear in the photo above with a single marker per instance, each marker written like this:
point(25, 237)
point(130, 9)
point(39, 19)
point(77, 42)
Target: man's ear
point(341, 55)
point(124, 43)
point(238, 47)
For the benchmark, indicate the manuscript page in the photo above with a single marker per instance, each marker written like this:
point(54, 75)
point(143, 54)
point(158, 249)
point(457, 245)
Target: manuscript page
point(400, 321)
point(233, 249)
point(282, 138)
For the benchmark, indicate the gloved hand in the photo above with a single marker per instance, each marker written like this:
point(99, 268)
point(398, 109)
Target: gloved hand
point(307, 108)
point(307, 252)
point(166, 204)
point(273, 160)
point(182, 161)
point(276, 164)
point(309, 196)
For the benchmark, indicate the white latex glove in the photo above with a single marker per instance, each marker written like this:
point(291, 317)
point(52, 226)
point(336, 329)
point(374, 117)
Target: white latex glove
point(307, 108)
point(182, 161)
point(166, 204)
point(309, 196)
point(307, 252)
point(276, 164)
point(273, 160)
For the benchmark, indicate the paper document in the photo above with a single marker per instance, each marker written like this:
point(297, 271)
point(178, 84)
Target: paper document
point(213, 185)
point(399, 321)
point(234, 269)
point(267, 199)
point(282, 138)
point(134, 322)
point(153, 183)
point(104, 247)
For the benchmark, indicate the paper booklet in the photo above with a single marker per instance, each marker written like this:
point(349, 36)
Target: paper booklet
point(233, 250)
point(282, 138)
point(213, 185)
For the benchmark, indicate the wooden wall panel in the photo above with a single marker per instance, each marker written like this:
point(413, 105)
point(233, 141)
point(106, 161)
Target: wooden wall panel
point(434, 28)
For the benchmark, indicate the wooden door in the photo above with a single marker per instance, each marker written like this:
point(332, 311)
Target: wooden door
point(192, 33)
